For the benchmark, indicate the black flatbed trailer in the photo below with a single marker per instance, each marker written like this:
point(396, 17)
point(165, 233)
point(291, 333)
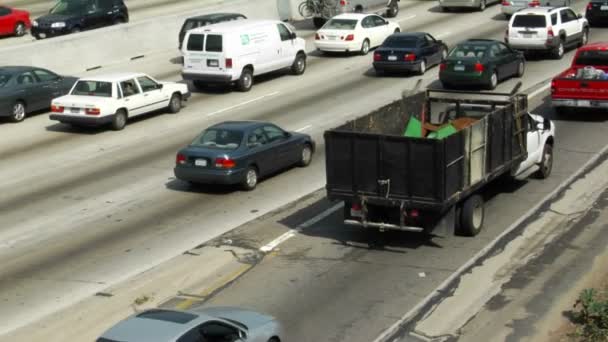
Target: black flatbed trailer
point(391, 181)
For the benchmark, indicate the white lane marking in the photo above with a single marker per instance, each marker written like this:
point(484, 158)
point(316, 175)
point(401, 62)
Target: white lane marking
point(539, 90)
point(303, 128)
point(443, 286)
point(286, 236)
point(242, 104)
point(443, 34)
point(409, 17)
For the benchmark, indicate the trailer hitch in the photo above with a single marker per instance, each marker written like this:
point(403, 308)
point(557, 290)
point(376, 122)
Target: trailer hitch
point(386, 183)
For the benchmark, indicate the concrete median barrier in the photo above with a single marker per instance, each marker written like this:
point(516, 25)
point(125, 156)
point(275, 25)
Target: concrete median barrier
point(77, 53)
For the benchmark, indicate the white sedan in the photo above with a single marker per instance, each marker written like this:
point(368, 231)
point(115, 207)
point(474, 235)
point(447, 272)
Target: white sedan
point(112, 99)
point(354, 32)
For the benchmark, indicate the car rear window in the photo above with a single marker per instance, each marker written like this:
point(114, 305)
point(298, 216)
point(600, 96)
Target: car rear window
point(596, 58)
point(195, 42)
point(214, 43)
point(529, 20)
point(469, 50)
point(221, 139)
point(400, 42)
point(168, 316)
point(93, 88)
point(341, 24)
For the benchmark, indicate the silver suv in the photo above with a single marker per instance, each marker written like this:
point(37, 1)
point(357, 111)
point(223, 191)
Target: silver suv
point(547, 29)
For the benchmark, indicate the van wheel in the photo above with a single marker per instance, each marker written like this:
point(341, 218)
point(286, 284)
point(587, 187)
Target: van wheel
point(471, 216)
point(393, 9)
point(299, 64)
point(546, 164)
point(318, 22)
point(119, 121)
point(175, 104)
point(245, 81)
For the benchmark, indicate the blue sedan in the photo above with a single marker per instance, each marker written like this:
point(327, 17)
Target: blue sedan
point(242, 152)
point(409, 52)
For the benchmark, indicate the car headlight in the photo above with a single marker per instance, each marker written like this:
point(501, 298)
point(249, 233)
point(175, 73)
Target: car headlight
point(60, 24)
point(34, 23)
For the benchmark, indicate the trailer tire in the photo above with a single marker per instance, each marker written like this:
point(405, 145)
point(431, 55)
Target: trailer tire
point(472, 216)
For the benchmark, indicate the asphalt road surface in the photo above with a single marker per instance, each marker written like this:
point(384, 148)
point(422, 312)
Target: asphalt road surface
point(84, 209)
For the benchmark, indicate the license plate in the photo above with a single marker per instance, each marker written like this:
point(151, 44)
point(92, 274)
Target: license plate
point(458, 67)
point(392, 58)
point(527, 35)
point(584, 103)
point(213, 62)
point(332, 37)
point(75, 110)
point(200, 162)
point(42, 35)
point(604, 8)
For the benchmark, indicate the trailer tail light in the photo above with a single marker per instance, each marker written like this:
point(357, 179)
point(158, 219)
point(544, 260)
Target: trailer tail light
point(377, 57)
point(350, 37)
point(414, 213)
point(410, 57)
point(534, 3)
point(443, 66)
point(224, 163)
point(228, 63)
point(92, 111)
point(57, 109)
point(479, 67)
point(180, 159)
point(356, 210)
point(317, 37)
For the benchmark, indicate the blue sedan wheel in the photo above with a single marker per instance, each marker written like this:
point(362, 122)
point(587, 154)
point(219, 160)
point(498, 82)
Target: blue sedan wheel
point(18, 113)
point(306, 157)
point(251, 179)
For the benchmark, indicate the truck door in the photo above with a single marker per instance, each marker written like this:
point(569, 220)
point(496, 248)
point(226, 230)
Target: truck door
point(533, 140)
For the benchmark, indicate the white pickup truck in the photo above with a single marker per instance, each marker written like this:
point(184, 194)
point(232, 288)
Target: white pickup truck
point(113, 99)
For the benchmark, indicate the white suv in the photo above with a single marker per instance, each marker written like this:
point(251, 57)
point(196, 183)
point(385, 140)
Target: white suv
point(547, 28)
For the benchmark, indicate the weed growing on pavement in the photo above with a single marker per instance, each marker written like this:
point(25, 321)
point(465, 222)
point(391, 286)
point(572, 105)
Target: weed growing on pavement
point(591, 317)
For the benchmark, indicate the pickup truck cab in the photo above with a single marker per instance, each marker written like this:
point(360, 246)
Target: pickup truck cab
point(585, 83)
point(112, 99)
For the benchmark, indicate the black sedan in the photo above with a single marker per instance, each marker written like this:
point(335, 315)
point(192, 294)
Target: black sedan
point(415, 51)
point(597, 12)
point(204, 20)
point(481, 62)
point(241, 152)
point(25, 89)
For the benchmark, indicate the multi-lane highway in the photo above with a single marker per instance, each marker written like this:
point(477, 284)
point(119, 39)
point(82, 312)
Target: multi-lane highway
point(81, 210)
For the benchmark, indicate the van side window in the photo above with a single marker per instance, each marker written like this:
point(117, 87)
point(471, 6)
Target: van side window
point(284, 32)
point(195, 42)
point(214, 43)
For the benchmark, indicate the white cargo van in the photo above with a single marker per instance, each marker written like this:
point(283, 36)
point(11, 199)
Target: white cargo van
point(235, 51)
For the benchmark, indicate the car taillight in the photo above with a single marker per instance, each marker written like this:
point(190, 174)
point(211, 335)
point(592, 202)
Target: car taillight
point(377, 57)
point(550, 33)
point(350, 37)
point(479, 67)
point(356, 210)
point(414, 213)
point(410, 57)
point(92, 111)
point(343, 3)
point(228, 63)
point(317, 37)
point(534, 3)
point(180, 159)
point(443, 66)
point(224, 163)
point(57, 109)
point(506, 3)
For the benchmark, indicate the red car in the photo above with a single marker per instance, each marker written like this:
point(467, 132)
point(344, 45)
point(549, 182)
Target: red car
point(585, 84)
point(13, 21)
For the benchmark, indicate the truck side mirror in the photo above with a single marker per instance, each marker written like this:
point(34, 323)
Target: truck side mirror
point(293, 35)
point(546, 124)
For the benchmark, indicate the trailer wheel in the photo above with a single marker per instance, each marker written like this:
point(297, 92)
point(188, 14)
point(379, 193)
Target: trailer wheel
point(472, 216)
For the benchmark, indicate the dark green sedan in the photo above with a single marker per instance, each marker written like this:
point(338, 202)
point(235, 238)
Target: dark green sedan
point(481, 62)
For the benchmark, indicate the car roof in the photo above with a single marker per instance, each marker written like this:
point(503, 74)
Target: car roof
point(537, 10)
point(156, 326)
point(16, 68)
point(594, 46)
point(409, 34)
point(240, 125)
point(479, 41)
point(214, 16)
point(113, 77)
point(352, 15)
point(233, 26)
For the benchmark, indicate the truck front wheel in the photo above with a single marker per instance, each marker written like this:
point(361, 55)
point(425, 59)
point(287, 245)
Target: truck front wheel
point(472, 216)
point(546, 164)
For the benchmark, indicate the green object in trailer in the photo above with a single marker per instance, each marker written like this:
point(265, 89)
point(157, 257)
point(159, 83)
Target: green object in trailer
point(413, 129)
point(443, 132)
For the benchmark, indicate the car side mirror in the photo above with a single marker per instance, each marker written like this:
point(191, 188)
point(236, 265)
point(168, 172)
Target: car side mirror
point(580, 16)
point(160, 86)
point(287, 135)
point(293, 35)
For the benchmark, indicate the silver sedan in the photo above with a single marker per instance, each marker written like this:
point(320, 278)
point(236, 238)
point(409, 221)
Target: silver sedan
point(509, 7)
point(219, 324)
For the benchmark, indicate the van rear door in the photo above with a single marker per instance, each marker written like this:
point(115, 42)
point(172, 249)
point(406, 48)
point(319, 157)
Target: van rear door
point(204, 53)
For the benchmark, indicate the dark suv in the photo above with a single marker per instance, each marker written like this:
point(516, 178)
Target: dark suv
point(204, 20)
point(71, 16)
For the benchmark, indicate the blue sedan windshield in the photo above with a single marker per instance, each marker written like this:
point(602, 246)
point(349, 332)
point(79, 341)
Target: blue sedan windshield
point(221, 139)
